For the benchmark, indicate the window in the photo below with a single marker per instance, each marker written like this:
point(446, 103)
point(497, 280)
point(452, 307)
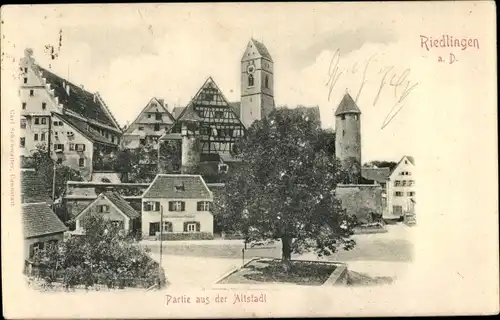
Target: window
point(25, 80)
point(36, 137)
point(23, 142)
point(398, 194)
point(397, 183)
point(266, 82)
point(70, 134)
point(191, 227)
point(81, 162)
point(406, 161)
point(203, 206)
point(141, 128)
point(103, 208)
point(44, 105)
point(157, 127)
point(250, 80)
point(219, 114)
point(149, 115)
point(44, 120)
point(80, 147)
point(343, 133)
point(23, 123)
point(167, 226)
point(42, 137)
point(158, 116)
point(25, 70)
point(113, 139)
point(411, 194)
point(32, 93)
point(37, 120)
point(176, 206)
point(59, 146)
point(411, 183)
point(71, 145)
point(403, 183)
point(151, 206)
point(24, 105)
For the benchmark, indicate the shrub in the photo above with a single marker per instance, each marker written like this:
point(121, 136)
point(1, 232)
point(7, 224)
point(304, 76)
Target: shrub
point(188, 236)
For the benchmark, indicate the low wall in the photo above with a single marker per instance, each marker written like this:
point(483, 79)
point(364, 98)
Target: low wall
point(360, 200)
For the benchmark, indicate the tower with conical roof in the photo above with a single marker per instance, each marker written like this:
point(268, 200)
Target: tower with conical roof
point(348, 137)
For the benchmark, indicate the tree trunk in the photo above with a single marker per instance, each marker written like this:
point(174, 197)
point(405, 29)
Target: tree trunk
point(286, 253)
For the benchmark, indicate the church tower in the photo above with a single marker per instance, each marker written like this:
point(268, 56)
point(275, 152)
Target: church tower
point(348, 137)
point(257, 83)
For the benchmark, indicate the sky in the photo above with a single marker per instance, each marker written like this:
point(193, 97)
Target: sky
point(132, 53)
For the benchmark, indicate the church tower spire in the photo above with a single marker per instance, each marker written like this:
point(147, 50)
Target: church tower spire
point(257, 83)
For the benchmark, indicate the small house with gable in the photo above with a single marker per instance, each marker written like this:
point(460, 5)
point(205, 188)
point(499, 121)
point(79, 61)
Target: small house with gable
point(112, 207)
point(185, 202)
point(41, 226)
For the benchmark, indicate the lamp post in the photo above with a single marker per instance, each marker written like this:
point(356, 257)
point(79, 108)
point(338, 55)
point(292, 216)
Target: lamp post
point(161, 246)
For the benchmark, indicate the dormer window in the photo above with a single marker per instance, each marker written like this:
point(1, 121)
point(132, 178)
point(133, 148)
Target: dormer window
point(179, 187)
point(223, 168)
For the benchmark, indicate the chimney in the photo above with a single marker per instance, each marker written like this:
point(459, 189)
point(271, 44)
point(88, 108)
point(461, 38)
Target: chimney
point(83, 88)
point(67, 89)
point(94, 97)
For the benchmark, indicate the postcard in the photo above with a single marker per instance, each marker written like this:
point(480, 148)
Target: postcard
point(228, 160)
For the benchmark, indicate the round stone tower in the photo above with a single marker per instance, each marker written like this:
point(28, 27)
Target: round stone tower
point(348, 137)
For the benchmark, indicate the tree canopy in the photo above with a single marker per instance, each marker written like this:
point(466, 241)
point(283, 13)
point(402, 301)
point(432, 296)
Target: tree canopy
point(285, 187)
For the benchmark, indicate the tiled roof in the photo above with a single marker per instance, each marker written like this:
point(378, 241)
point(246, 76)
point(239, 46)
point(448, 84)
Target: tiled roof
point(375, 174)
point(34, 189)
point(39, 220)
point(347, 105)
point(113, 177)
point(177, 111)
point(412, 160)
point(189, 114)
point(84, 128)
point(236, 107)
point(79, 100)
point(121, 204)
point(178, 186)
point(261, 48)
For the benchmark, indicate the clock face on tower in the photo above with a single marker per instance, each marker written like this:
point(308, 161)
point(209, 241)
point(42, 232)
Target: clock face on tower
point(250, 69)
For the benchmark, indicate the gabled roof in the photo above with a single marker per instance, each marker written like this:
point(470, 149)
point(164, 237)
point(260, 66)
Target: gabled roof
point(209, 88)
point(34, 189)
point(177, 111)
point(121, 204)
point(260, 48)
point(39, 220)
point(376, 174)
point(114, 198)
point(236, 107)
point(83, 128)
point(164, 186)
point(347, 105)
point(79, 100)
point(410, 158)
point(159, 104)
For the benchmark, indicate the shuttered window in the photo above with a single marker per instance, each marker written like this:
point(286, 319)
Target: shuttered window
point(176, 206)
point(192, 226)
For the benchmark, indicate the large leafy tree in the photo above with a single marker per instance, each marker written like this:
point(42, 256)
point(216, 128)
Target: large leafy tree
point(45, 166)
point(285, 187)
point(137, 165)
point(104, 254)
point(381, 164)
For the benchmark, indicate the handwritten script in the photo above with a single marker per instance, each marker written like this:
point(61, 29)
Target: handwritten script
point(386, 79)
